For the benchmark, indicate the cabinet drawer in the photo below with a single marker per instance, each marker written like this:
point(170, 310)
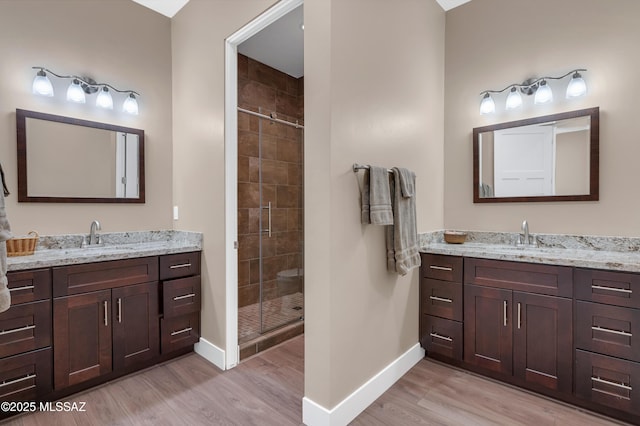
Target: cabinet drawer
point(441, 336)
point(181, 296)
point(179, 265)
point(25, 377)
point(613, 288)
point(25, 327)
point(29, 286)
point(528, 277)
point(442, 267)
point(179, 332)
point(608, 381)
point(68, 280)
point(442, 299)
point(609, 330)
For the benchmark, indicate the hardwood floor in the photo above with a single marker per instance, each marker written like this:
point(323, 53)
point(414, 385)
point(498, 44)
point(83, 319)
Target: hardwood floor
point(267, 389)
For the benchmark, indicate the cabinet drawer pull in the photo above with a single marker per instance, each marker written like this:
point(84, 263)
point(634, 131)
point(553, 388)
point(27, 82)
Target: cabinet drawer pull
point(106, 313)
point(16, 330)
point(441, 268)
point(120, 309)
point(438, 336)
point(519, 315)
point(619, 290)
point(21, 379)
point(608, 382)
point(608, 330)
point(182, 265)
point(186, 296)
point(504, 313)
point(184, 330)
point(26, 287)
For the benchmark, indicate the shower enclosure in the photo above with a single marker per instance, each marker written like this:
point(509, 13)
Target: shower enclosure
point(270, 228)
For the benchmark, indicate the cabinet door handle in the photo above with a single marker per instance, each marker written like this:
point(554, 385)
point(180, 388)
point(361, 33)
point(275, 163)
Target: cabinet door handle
point(184, 330)
point(441, 268)
point(504, 313)
point(16, 330)
point(438, 336)
point(26, 287)
point(21, 379)
point(186, 296)
point(608, 330)
point(106, 313)
point(440, 299)
point(519, 315)
point(619, 290)
point(120, 309)
point(610, 383)
point(182, 265)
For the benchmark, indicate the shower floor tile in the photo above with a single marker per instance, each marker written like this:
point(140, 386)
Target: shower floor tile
point(276, 312)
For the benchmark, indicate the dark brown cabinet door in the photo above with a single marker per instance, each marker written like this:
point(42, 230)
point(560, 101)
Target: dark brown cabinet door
point(81, 337)
point(542, 345)
point(488, 328)
point(136, 334)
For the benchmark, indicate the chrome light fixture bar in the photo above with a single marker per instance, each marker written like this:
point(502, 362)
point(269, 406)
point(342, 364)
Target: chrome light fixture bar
point(539, 86)
point(82, 86)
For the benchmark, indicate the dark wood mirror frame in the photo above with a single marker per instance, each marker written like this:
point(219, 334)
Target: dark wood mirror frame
point(23, 196)
point(594, 157)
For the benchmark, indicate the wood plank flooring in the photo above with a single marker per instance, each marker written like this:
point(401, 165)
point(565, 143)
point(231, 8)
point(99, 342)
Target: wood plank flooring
point(267, 389)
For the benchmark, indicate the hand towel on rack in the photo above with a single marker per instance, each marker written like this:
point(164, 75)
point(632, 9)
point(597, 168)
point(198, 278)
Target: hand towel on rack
point(402, 237)
point(380, 207)
point(5, 234)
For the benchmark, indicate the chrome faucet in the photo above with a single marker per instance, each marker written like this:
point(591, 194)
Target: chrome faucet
point(525, 238)
point(94, 238)
point(525, 232)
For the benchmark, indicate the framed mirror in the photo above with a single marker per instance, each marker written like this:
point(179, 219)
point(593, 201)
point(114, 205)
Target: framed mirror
point(67, 160)
point(550, 158)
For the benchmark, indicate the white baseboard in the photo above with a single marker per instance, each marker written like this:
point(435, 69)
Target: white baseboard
point(210, 352)
point(314, 414)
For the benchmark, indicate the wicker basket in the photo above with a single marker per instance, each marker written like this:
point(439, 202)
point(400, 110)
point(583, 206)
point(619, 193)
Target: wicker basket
point(22, 246)
point(455, 237)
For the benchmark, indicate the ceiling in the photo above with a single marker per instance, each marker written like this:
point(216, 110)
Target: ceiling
point(280, 45)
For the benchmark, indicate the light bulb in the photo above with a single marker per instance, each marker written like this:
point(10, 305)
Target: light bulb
point(577, 87)
point(543, 94)
point(75, 92)
point(42, 84)
point(514, 100)
point(487, 106)
point(104, 99)
point(130, 105)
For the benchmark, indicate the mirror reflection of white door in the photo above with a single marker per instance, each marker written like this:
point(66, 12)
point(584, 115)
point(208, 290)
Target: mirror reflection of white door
point(127, 179)
point(523, 161)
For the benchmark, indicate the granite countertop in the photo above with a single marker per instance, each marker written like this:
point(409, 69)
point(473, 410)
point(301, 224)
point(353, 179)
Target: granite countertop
point(612, 253)
point(58, 250)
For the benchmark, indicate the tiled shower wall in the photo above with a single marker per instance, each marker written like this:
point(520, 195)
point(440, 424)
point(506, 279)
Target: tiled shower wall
point(260, 86)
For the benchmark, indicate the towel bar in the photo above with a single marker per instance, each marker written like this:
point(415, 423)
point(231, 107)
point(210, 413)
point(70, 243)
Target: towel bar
point(357, 167)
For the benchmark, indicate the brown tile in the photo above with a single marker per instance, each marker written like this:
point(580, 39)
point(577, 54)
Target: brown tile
point(243, 273)
point(269, 147)
point(269, 246)
point(254, 220)
point(280, 337)
point(248, 350)
point(267, 75)
point(272, 265)
point(287, 104)
point(276, 172)
point(288, 243)
point(279, 222)
point(248, 195)
point(301, 86)
point(243, 221)
point(254, 94)
point(248, 247)
point(269, 194)
point(243, 169)
point(294, 172)
point(288, 196)
point(292, 86)
point(294, 260)
point(294, 219)
point(243, 66)
point(248, 295)
point(247, 143)
point(269, 287)
point(254, 169)
point(244, 121)
point(289, 151)
point(254, 271)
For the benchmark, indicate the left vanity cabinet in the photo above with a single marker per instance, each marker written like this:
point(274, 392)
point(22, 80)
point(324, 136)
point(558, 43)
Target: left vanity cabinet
point(105, 318)
point(25, 337)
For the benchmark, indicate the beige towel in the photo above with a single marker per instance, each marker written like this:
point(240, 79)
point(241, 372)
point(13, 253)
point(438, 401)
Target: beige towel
point(5, 234)
point(380, 208)
point(402, 237)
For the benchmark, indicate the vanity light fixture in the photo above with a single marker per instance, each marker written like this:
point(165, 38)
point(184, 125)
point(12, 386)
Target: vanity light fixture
point(538, 86)
point(82, 86)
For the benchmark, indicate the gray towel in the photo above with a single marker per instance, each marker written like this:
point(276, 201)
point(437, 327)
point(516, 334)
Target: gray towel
point(364, 195)
point(380, 208)
point(5, 234)
point(402, 237)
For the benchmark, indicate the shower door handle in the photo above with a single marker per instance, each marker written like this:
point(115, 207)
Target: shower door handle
point(268, 207)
